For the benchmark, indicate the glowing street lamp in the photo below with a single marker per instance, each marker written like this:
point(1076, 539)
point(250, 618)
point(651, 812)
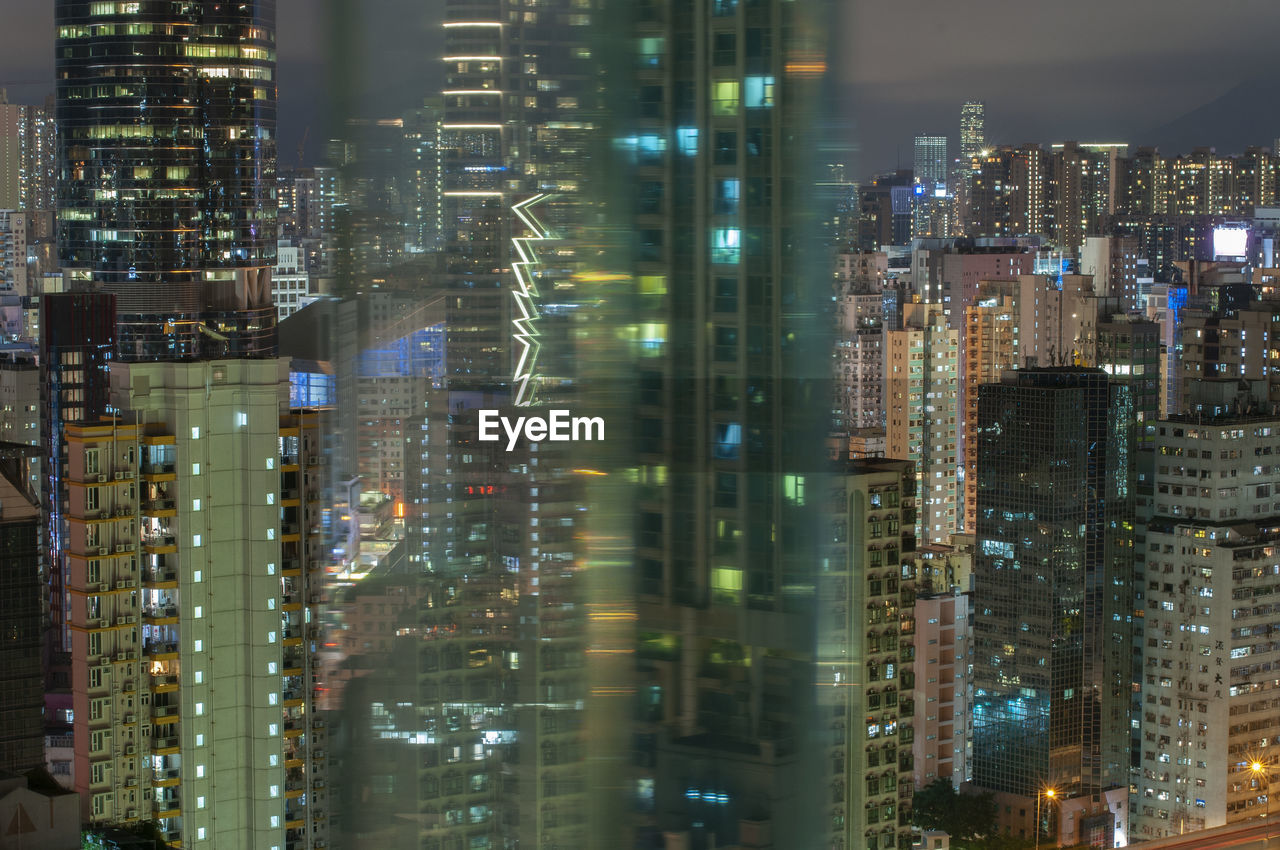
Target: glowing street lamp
point(1261, 772)
point(1052, 795)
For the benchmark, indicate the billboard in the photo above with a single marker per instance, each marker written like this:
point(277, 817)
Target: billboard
point(1230, 242)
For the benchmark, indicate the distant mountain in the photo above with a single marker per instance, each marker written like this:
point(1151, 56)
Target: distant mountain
point(1244, 116)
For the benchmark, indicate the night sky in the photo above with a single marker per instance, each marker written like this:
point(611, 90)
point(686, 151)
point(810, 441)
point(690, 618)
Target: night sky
point(1110, 70)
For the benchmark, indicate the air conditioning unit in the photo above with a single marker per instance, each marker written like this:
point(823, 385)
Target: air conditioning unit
point(123, 583)
point(120, 621)
point(122, 656)
point(102, 551)
point(129, 748)
point(129, 718)
point(102, 479)
point(130, 782)
point(132, 813)
point(99, 624)
point(312, 460)
point(105, 660)
point(131, 619)
point(122, 547)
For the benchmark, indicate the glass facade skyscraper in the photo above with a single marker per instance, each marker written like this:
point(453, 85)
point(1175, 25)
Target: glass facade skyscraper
point(166, 160)
point(1052, 584)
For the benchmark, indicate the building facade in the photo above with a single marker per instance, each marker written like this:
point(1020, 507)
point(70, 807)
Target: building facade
point(193, 552)
point(1052, 597)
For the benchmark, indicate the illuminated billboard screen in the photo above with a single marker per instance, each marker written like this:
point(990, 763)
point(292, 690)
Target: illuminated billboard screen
point(1230, 242)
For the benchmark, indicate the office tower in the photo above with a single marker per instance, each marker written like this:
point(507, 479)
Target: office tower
point(865, 661)
point(166, 182)
point(1206, 699)
point(733, 411)
point(21, 676)
point(973, 135)
point(1052, 596)
point(943, 649)
point(991, 349)
point(192, 550)
point(921, 402)
point(931, 164)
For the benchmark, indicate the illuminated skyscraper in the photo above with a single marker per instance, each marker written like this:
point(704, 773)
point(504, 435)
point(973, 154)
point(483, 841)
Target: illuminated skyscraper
point(166, 171)
point(973, 134)
point(1052, 594)
point(923, 420)
point(931, 165)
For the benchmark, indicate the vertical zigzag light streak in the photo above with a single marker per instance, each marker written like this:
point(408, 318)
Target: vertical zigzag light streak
point(523, 330)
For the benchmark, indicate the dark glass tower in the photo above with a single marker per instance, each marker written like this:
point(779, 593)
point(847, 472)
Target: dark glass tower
point(166, 161)
point(1052, 584)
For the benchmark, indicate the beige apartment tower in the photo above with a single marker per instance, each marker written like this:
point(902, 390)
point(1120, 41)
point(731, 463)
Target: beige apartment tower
point(194, 522)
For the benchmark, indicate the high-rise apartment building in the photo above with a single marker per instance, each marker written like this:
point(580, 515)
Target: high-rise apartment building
point(27, 155)
point(943, 645)
point(1207, 701)
point(973, 132)
point(866, 667)
point(1052, 597)
point(166, 171)
point(922, 412)
point(193, 546)
point(731, 418)
point(991, 348)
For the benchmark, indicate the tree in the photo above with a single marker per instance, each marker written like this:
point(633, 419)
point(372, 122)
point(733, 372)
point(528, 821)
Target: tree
point(965, 817)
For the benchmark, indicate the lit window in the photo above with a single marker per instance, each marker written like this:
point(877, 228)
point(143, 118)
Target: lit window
point(199, 771)
point(758, 92)
point(195, 432)
point(725, 97)
point(726, 244)
point(199, 709)
point(199, 677)
point(198, 612)
point(195, 469)
point(198, 646)
point(195, 504)
point(195, 541)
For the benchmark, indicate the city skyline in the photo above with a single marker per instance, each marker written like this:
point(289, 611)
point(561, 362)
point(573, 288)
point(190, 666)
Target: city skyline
point(1074, 77)
point(940, 502)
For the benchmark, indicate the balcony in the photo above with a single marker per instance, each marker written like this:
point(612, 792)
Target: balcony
point(161, 612)
point(164, 746)
point(160, 507)
point(160, 649)
point(160, 543)
point(166, 777)
point(160, 471)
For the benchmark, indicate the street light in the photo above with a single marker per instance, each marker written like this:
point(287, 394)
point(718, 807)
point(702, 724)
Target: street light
point(1052, 794)
point(1263, 775)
